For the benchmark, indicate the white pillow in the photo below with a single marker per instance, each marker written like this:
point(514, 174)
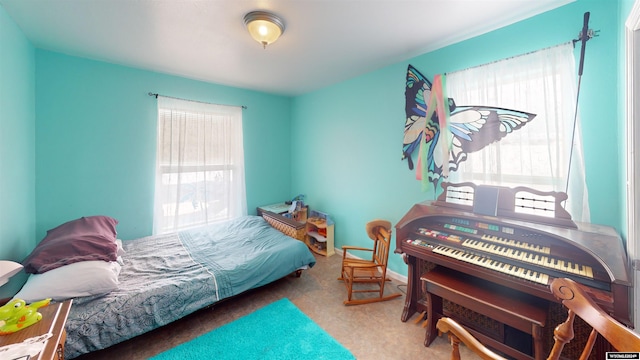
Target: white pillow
point(120, 247)
point(121, 252)
point(84, 278)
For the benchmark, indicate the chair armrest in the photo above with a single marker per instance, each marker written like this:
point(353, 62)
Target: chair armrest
point(361, 265)
point(575, 299)
point(459, 333)
point(345, 247)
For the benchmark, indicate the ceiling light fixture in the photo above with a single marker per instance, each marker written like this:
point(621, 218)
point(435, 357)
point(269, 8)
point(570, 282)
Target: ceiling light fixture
point(264, 27)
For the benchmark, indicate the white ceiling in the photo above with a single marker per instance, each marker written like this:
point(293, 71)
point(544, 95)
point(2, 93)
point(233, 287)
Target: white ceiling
point(325, 41)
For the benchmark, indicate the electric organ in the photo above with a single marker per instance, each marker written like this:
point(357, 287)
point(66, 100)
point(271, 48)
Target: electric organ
point(517, 238)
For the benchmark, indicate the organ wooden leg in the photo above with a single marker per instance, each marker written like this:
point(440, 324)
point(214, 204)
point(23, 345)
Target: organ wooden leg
point(411, 297)
point(434, 309)
point(538, 344)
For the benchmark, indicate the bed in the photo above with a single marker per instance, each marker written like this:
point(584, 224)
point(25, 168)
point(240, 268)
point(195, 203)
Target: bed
point(166, 277)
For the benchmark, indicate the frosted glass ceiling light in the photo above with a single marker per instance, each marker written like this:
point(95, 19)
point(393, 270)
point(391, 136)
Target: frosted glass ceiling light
point(264, 27)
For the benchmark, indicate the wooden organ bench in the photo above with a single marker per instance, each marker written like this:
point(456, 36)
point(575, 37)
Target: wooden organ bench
point(518, 310)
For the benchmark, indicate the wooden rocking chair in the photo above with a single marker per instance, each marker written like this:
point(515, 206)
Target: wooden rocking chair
point(577, 303)
point(373, 271)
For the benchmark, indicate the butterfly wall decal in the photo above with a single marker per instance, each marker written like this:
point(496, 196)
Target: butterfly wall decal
point(472, 127)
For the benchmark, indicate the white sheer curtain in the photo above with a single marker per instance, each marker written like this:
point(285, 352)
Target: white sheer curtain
point(199, 164)
point(544, 83)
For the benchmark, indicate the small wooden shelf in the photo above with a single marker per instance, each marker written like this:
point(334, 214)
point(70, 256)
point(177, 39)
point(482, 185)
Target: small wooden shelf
point(317, 236)
point(319, 233)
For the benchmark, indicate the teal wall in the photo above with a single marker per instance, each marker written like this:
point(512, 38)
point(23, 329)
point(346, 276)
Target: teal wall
point(17, 150)
point(353, 131)
point(78, 136)
point(96, 138)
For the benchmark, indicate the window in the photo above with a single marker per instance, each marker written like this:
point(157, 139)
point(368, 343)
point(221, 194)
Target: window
point(539, 154)
point(199, 165)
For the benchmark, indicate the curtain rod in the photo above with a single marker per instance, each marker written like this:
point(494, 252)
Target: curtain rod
point(510, 57)
point(202, 102)
point(585, 35)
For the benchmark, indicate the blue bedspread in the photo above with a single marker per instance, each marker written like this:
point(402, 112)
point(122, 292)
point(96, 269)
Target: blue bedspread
point(167, 277)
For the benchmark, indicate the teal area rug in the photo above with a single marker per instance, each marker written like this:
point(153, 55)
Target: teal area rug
point(277, 331)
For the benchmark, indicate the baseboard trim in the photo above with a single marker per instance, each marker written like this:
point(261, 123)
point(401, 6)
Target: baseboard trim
point(392, 274)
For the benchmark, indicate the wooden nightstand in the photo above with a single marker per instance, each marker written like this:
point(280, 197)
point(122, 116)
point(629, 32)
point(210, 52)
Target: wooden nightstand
point(54, 318)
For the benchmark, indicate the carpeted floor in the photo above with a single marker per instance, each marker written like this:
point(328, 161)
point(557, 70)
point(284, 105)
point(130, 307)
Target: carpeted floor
point(370, 332)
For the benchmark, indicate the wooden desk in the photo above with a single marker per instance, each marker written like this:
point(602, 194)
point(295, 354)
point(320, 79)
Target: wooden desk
point(54, 318)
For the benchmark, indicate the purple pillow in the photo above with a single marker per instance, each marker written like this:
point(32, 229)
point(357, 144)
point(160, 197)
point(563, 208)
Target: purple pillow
point(87, 238)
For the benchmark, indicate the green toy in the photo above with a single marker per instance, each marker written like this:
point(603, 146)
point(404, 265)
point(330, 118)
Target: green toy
point(16, 315)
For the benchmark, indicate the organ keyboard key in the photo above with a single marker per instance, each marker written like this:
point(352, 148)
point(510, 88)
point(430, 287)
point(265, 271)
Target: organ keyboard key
point(540, 260)
point(493, 264)
point(510, 249)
